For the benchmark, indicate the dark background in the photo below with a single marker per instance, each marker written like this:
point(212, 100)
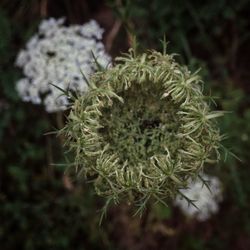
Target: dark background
point(41, 209)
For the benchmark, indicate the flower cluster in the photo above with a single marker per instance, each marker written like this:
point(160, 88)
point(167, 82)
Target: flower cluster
point(143, 129)
point(205, 199)
point(58, 55)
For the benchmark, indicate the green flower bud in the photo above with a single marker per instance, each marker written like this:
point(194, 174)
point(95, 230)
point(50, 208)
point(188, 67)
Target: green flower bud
point(143, 129)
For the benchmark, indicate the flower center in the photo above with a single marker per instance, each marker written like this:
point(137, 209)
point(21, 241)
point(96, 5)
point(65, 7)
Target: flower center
point(141, 127)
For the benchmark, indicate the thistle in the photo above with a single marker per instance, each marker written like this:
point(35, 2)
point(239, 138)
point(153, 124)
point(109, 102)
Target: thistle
point(143, 129)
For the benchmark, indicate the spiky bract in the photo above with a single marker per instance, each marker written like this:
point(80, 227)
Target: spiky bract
point(143, 129)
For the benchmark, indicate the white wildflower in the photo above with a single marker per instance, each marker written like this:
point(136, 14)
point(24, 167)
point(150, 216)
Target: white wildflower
point(57, 55)
point(206, 200)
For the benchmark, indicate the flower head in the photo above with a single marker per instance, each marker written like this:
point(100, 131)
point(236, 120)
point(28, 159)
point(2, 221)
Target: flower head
point(57, 55)
point(206, 199)
point(143, 129)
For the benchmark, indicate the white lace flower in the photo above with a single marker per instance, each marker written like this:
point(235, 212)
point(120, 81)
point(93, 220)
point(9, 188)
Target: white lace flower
point(206, 200)
point(57, 55)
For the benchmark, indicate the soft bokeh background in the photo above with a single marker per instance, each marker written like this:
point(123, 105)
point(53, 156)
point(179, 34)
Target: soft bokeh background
point(41, 209)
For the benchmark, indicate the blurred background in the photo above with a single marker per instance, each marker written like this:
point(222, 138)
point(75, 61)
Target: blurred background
point(41, 209)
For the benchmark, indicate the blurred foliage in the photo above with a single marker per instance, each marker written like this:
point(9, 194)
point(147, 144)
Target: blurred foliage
point(37, 211)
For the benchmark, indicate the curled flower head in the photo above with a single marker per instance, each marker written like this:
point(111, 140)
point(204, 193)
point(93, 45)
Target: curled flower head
point(143, 129)
point(206, 199)
point(57, 55)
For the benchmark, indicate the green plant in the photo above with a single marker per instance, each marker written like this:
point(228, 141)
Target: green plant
point(143, 129)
